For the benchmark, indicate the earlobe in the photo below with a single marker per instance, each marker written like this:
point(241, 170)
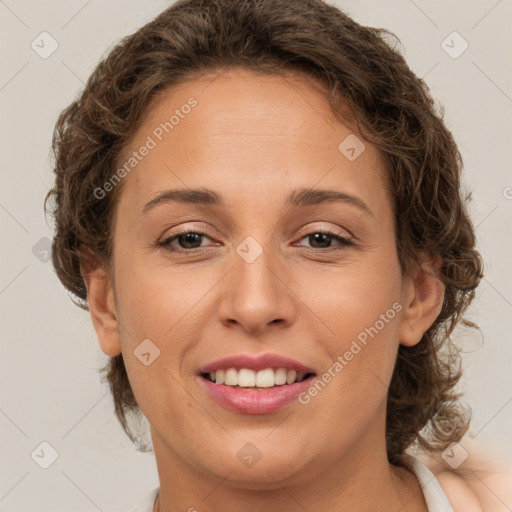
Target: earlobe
point(100, 297)
point(423, 295)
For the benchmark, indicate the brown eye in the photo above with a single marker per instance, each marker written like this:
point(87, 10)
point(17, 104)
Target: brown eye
point(322, 240)
point(187, 241)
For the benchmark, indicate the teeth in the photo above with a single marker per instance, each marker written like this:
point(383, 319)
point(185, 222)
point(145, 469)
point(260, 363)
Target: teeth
point(264, 378)
point(280, 377)
point(218, 377)
point(231, 377)
point(290, 377)
point(246, 378)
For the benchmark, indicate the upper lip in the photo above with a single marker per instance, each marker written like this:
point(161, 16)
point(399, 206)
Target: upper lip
point(256, 363)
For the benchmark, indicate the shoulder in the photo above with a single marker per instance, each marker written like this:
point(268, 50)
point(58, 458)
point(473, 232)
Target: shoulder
point(480, 484)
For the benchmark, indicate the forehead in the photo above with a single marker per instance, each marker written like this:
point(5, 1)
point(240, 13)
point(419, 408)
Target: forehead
point(248, 134)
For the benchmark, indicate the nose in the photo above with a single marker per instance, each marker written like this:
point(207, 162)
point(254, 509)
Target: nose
point(255, 296)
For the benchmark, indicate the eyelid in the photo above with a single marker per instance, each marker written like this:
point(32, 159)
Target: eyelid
point(166, 242)
point(343, 238)
point(332, 230)
point(323, 228)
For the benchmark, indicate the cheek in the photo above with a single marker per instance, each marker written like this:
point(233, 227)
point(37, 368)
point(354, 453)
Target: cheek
point(348, 299)
point(359, 309)
point(157, 304)
point(363, 314)
point(154, 300)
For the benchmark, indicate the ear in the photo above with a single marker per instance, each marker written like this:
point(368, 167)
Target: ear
point(422, 300)
point(100, 297)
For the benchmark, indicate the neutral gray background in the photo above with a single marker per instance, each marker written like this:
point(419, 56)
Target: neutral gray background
point(49, 358)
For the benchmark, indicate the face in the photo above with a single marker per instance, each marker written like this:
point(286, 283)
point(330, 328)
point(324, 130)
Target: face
point(265, 270)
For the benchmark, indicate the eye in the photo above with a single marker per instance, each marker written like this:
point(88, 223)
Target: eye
point(189, 241)
point(322, 238)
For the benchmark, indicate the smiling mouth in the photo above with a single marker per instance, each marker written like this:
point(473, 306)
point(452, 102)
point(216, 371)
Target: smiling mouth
point(245, 378)
point(259, 391)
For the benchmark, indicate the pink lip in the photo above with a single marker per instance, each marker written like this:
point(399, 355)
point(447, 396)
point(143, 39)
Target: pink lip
point(256, 363)
point(254, 401)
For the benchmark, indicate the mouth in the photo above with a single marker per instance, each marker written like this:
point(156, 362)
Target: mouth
point(247, 391)
point(246, 378)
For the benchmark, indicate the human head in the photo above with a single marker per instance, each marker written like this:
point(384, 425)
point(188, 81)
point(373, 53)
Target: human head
point(378, 96)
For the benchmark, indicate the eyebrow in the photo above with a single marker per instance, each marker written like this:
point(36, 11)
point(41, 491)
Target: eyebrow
point(297, 198)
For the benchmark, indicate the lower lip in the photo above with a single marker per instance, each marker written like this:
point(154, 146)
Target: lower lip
point(254, 401)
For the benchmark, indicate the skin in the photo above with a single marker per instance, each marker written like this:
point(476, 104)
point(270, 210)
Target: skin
point(481, 483)
point(253, 138)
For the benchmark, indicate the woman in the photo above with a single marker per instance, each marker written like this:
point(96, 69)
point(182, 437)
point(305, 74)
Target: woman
point(260, 207)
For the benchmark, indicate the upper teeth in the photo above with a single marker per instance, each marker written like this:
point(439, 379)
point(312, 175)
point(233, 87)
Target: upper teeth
point(249, 378)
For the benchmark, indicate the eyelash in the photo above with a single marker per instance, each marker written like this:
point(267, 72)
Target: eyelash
point(344, 242)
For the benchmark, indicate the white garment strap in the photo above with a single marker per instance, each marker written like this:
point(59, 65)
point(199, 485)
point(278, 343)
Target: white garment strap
point(432, 491)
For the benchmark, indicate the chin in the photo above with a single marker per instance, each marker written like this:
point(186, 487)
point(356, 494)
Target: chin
point(249, 467)
point(264, 477)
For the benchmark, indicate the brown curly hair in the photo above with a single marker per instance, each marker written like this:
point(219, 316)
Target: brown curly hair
point(369, 84)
